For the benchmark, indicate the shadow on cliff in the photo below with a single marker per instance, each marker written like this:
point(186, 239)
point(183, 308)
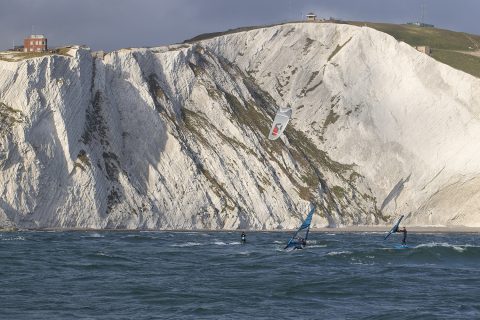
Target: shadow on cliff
point(395, 193)
point(139, 136)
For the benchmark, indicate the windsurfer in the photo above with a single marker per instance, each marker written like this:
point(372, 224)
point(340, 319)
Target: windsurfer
point(404, 230)
point(301, 241)
point(299, 238)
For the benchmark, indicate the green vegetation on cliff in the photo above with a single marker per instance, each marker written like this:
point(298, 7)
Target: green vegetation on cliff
point(457, 49)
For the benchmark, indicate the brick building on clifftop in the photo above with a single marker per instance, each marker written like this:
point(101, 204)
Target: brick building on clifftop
point(35, 43)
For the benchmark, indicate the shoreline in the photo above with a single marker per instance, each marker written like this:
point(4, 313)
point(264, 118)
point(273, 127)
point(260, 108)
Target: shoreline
point(347, 229)
point(413, 229)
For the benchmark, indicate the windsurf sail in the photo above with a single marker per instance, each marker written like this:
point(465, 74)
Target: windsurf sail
point(299, 238)
point(280, 123)
point(394, 228)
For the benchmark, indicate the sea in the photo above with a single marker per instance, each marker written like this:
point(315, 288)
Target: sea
point(212, 275)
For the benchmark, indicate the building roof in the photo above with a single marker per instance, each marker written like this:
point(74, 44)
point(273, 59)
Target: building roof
point(36, 36)
point(311, 14)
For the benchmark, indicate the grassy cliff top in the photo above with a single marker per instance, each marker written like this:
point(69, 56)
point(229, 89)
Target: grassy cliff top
point(424, 36)
point(457, 49)
point(15, 56)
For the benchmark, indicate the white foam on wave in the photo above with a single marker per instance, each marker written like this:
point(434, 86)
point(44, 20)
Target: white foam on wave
point(103, 254)
point(18, 238)
point(336, 253)
point(202, 234)
point(317, 246)
point(361, 263)
point(94, 235)
point(470, 246)
point(221, 243)
point(459, 248)
point(186, 244)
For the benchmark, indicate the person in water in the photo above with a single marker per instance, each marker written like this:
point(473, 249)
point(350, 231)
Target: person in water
point(244, 237)
point(404, 230)
point(301, 241)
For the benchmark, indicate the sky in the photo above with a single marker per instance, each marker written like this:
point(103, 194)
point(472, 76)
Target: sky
point(114, 24)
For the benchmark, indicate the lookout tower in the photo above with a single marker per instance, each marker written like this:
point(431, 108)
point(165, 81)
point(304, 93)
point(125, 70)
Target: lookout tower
point(311, 16)
point(35, 43)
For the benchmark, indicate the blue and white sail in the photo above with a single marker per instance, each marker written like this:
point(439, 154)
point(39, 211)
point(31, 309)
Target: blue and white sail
point(394, 228)
point(280, 123)
point(299, 238)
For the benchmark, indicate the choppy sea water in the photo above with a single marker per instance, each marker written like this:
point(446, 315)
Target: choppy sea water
point(201, 275)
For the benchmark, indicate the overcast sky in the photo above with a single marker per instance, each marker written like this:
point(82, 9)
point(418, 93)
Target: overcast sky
point(114, 24)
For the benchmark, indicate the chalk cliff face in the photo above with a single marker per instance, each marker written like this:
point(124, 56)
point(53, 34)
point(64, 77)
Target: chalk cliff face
point(176, 137)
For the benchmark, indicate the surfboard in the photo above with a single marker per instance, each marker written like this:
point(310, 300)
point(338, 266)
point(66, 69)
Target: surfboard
point(394, 228)
point(401, 246)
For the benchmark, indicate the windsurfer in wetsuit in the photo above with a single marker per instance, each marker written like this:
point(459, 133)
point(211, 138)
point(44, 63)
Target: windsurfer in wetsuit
point(244, 237)
point(404, 230)
point(301, 241)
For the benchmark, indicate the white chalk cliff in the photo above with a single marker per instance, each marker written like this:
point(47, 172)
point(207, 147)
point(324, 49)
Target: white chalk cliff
point(176, 137)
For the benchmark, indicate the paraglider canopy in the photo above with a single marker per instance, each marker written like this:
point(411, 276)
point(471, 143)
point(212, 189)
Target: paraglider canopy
point(280, 122)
